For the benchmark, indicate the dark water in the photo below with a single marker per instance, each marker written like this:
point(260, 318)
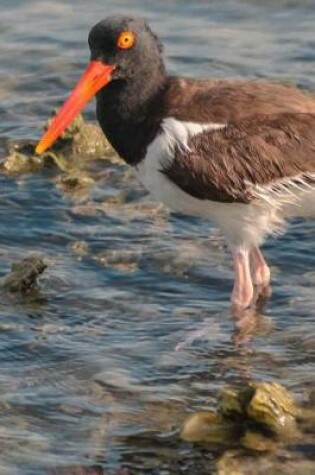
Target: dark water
point(131, 329)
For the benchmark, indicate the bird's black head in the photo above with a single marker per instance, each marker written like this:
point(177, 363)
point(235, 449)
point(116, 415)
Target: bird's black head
point(126, 71)
point(129, 45)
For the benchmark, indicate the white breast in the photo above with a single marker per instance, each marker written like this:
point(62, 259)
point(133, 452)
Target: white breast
point(175, 134)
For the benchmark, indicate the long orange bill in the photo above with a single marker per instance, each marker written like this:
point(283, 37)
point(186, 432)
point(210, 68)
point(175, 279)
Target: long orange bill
point(96, 76)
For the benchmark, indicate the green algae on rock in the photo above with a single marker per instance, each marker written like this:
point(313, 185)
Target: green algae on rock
point(81, 142)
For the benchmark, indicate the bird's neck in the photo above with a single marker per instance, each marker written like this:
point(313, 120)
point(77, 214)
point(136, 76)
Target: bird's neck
point(130, 114)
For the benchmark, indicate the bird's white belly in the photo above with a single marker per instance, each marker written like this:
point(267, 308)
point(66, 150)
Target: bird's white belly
point(242, 224)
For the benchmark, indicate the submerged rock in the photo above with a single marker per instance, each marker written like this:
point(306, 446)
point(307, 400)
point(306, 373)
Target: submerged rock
point(241, 462)
point(122, 260)
point(23, 275)
point(75, 181)
point(79, 249)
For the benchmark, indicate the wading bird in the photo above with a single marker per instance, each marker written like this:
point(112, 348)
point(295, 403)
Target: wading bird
point(240, 153)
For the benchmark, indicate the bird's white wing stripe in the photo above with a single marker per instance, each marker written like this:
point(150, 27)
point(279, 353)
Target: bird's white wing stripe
point(177, 133)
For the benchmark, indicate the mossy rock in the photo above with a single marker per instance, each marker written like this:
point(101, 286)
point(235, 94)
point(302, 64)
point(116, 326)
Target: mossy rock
point(232, 403)
point(75, 181)
point(268, 406)
point(80, 143)
point(21, 159)
point(81, 138)
point(23, 275)
point(209, 428)
point(273, 406)
point(258, 417)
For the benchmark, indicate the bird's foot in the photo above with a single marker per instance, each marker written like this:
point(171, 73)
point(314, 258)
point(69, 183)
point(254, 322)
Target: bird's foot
point(261, 295)
point(261, 276)
point(259, 269)
point(242, 296)
point(243, 291)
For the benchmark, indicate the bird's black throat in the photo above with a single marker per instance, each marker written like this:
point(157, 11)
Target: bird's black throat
point(130, 111)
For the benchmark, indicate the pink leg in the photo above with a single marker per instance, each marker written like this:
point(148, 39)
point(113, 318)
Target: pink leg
point(259, 268)
point(242, 294)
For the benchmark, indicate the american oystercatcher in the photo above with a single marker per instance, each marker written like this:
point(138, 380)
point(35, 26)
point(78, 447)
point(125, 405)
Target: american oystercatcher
point(240, 153)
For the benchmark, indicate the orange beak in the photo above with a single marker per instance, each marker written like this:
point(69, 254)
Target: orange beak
point(94, 78)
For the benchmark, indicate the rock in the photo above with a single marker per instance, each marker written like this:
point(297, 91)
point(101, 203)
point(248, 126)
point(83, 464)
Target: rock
point(23, 274)
point(81, 138)
point(241, 462)
point(75, 181)
point(81, 142)
point(208, 427)
point(21, 159)
point(259, 417)
point(273, 406)
point(230, 464)
point(266, 406)
point(232, 403)
point(258, 442)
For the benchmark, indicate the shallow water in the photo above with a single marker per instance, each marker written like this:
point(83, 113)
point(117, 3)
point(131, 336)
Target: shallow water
point(131, 330)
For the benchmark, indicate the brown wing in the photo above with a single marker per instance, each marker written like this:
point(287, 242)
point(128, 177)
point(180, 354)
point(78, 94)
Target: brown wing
point(231, 100)
point(220, 164)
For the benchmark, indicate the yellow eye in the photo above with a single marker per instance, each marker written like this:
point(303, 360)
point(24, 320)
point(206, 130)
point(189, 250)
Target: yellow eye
point(126, 40)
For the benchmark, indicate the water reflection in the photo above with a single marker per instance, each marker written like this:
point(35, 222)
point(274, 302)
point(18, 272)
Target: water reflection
point(246, 325)
point(251, 322)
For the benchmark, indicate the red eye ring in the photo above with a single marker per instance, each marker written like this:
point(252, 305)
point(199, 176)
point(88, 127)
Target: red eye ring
point(126, 40)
